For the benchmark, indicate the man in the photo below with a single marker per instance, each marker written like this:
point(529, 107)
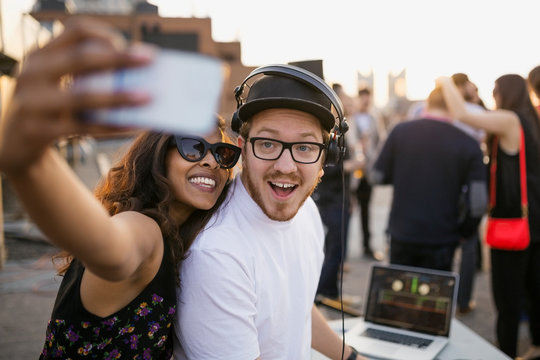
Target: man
point(473, 103)
point(370, 134)
point(332, 197)
point(249, 281)
point(431, 164)
point(471, 249)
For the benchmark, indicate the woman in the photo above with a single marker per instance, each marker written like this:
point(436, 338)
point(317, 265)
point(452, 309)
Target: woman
point(514, 274)
point(118, 295)
point(534, 83)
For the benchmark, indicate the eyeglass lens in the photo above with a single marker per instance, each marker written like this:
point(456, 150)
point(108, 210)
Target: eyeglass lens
point(194, 150)
point(224, 156)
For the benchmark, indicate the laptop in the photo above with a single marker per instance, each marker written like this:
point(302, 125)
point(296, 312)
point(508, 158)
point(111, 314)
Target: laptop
point(408, 313)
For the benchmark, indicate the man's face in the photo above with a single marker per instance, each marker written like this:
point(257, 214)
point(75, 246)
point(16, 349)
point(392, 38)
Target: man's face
point(281, 186)
point(364, 101)
point(467, 91)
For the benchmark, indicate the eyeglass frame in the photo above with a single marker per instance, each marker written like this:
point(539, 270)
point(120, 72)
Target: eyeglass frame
point(208, 146)
point(287, 145)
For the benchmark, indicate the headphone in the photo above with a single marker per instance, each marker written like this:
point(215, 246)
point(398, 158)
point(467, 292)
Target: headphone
point(336, 147)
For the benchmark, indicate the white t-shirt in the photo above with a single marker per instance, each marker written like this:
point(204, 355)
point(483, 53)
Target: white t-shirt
point(248, 284)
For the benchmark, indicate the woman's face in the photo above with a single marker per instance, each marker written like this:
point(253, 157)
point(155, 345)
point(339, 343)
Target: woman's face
point(196, 185)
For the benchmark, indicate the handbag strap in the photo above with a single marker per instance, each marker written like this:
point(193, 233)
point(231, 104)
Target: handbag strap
point(522, 175)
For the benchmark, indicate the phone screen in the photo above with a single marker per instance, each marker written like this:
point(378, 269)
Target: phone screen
point(185, 90)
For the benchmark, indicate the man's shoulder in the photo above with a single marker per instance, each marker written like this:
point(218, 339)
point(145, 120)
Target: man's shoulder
point(406, 128)
point(410, 124)
point(446, 127)
point(435, 133)
point(220, 246)
point(474, 108)
point(466, 141)
point(310, 208)
point(218, 232)
point(230, 229)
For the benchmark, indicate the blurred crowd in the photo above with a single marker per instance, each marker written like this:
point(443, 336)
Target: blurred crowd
point(438, 157)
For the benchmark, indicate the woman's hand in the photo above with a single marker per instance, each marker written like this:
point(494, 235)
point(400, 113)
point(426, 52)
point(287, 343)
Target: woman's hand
point(441, 80)
point(43, 109)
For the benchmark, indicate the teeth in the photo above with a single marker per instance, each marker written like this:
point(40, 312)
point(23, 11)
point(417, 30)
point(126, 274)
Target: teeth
point(284, 186)
point(199, 180)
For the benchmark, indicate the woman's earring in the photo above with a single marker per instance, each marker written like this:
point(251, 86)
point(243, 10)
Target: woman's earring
point(230, 176)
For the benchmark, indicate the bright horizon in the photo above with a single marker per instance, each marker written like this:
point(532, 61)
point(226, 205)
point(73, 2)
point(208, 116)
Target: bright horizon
point(428, 38)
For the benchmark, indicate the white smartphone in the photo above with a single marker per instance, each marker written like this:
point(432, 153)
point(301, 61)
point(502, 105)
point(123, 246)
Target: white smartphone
point(185, 90)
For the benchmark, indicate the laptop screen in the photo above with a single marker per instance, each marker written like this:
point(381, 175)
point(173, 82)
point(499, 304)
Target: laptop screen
point(410, 298)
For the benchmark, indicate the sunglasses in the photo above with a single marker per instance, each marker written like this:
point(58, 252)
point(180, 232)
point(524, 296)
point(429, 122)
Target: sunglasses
point(194, 149)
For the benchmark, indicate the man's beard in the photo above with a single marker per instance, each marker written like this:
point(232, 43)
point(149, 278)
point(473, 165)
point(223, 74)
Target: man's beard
point(468, 97)
point(280, 213)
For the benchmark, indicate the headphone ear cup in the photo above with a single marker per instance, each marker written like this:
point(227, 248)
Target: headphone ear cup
point(236, 122)
point(344, 126)
point(332, 151)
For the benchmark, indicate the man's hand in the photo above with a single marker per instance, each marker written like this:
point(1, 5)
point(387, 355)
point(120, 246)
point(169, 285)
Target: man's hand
point(353, 354)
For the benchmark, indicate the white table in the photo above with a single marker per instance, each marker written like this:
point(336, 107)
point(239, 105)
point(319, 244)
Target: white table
point(464, 343)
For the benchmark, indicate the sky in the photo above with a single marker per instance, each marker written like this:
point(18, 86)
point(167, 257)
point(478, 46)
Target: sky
point(429, 38)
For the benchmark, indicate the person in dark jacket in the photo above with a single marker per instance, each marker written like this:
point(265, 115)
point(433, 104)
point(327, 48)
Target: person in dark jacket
point(439, 182)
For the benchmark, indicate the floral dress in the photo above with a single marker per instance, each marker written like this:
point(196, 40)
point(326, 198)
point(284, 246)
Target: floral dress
point(141, 330)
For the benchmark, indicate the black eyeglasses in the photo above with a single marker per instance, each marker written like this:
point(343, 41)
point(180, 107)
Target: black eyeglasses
point(194, 149)
point(301, 152)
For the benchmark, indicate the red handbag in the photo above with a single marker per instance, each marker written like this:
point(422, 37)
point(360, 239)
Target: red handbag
point(509, 233)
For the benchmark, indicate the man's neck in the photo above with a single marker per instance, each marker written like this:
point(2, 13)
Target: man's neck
point(437, 114)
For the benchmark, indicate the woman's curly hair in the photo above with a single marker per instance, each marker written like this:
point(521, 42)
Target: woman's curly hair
point(138, 182)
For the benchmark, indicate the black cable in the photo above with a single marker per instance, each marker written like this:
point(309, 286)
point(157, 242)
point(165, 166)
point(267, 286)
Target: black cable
point(342, 262)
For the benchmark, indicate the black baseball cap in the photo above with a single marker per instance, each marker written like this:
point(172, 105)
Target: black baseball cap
point(273, 91)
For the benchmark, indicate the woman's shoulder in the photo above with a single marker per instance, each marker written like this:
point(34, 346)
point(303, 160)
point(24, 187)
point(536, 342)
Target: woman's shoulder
point(143, 231)
point(136, 218)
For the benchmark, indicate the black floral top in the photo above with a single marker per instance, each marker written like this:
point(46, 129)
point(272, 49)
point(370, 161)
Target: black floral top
point(141, 330)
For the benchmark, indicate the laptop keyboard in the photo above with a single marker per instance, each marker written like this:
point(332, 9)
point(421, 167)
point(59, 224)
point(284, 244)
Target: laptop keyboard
point(397, 338)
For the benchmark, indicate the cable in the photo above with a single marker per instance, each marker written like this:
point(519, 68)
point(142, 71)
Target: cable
point(342, 262)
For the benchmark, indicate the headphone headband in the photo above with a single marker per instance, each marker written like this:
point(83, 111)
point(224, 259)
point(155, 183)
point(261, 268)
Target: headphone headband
point(297, 73)
point(336, 147)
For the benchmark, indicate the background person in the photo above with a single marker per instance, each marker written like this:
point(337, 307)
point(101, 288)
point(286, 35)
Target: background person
point(118, 294)
point(469, 92)
point(370, 134)
point(470, 248)
point(429, 162)
point(534, 82)
point(333, 199)
point(515, 273)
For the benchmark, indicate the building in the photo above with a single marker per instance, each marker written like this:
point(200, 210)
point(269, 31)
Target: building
point(140, 21)
point(365, 81)
point(21, 31)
